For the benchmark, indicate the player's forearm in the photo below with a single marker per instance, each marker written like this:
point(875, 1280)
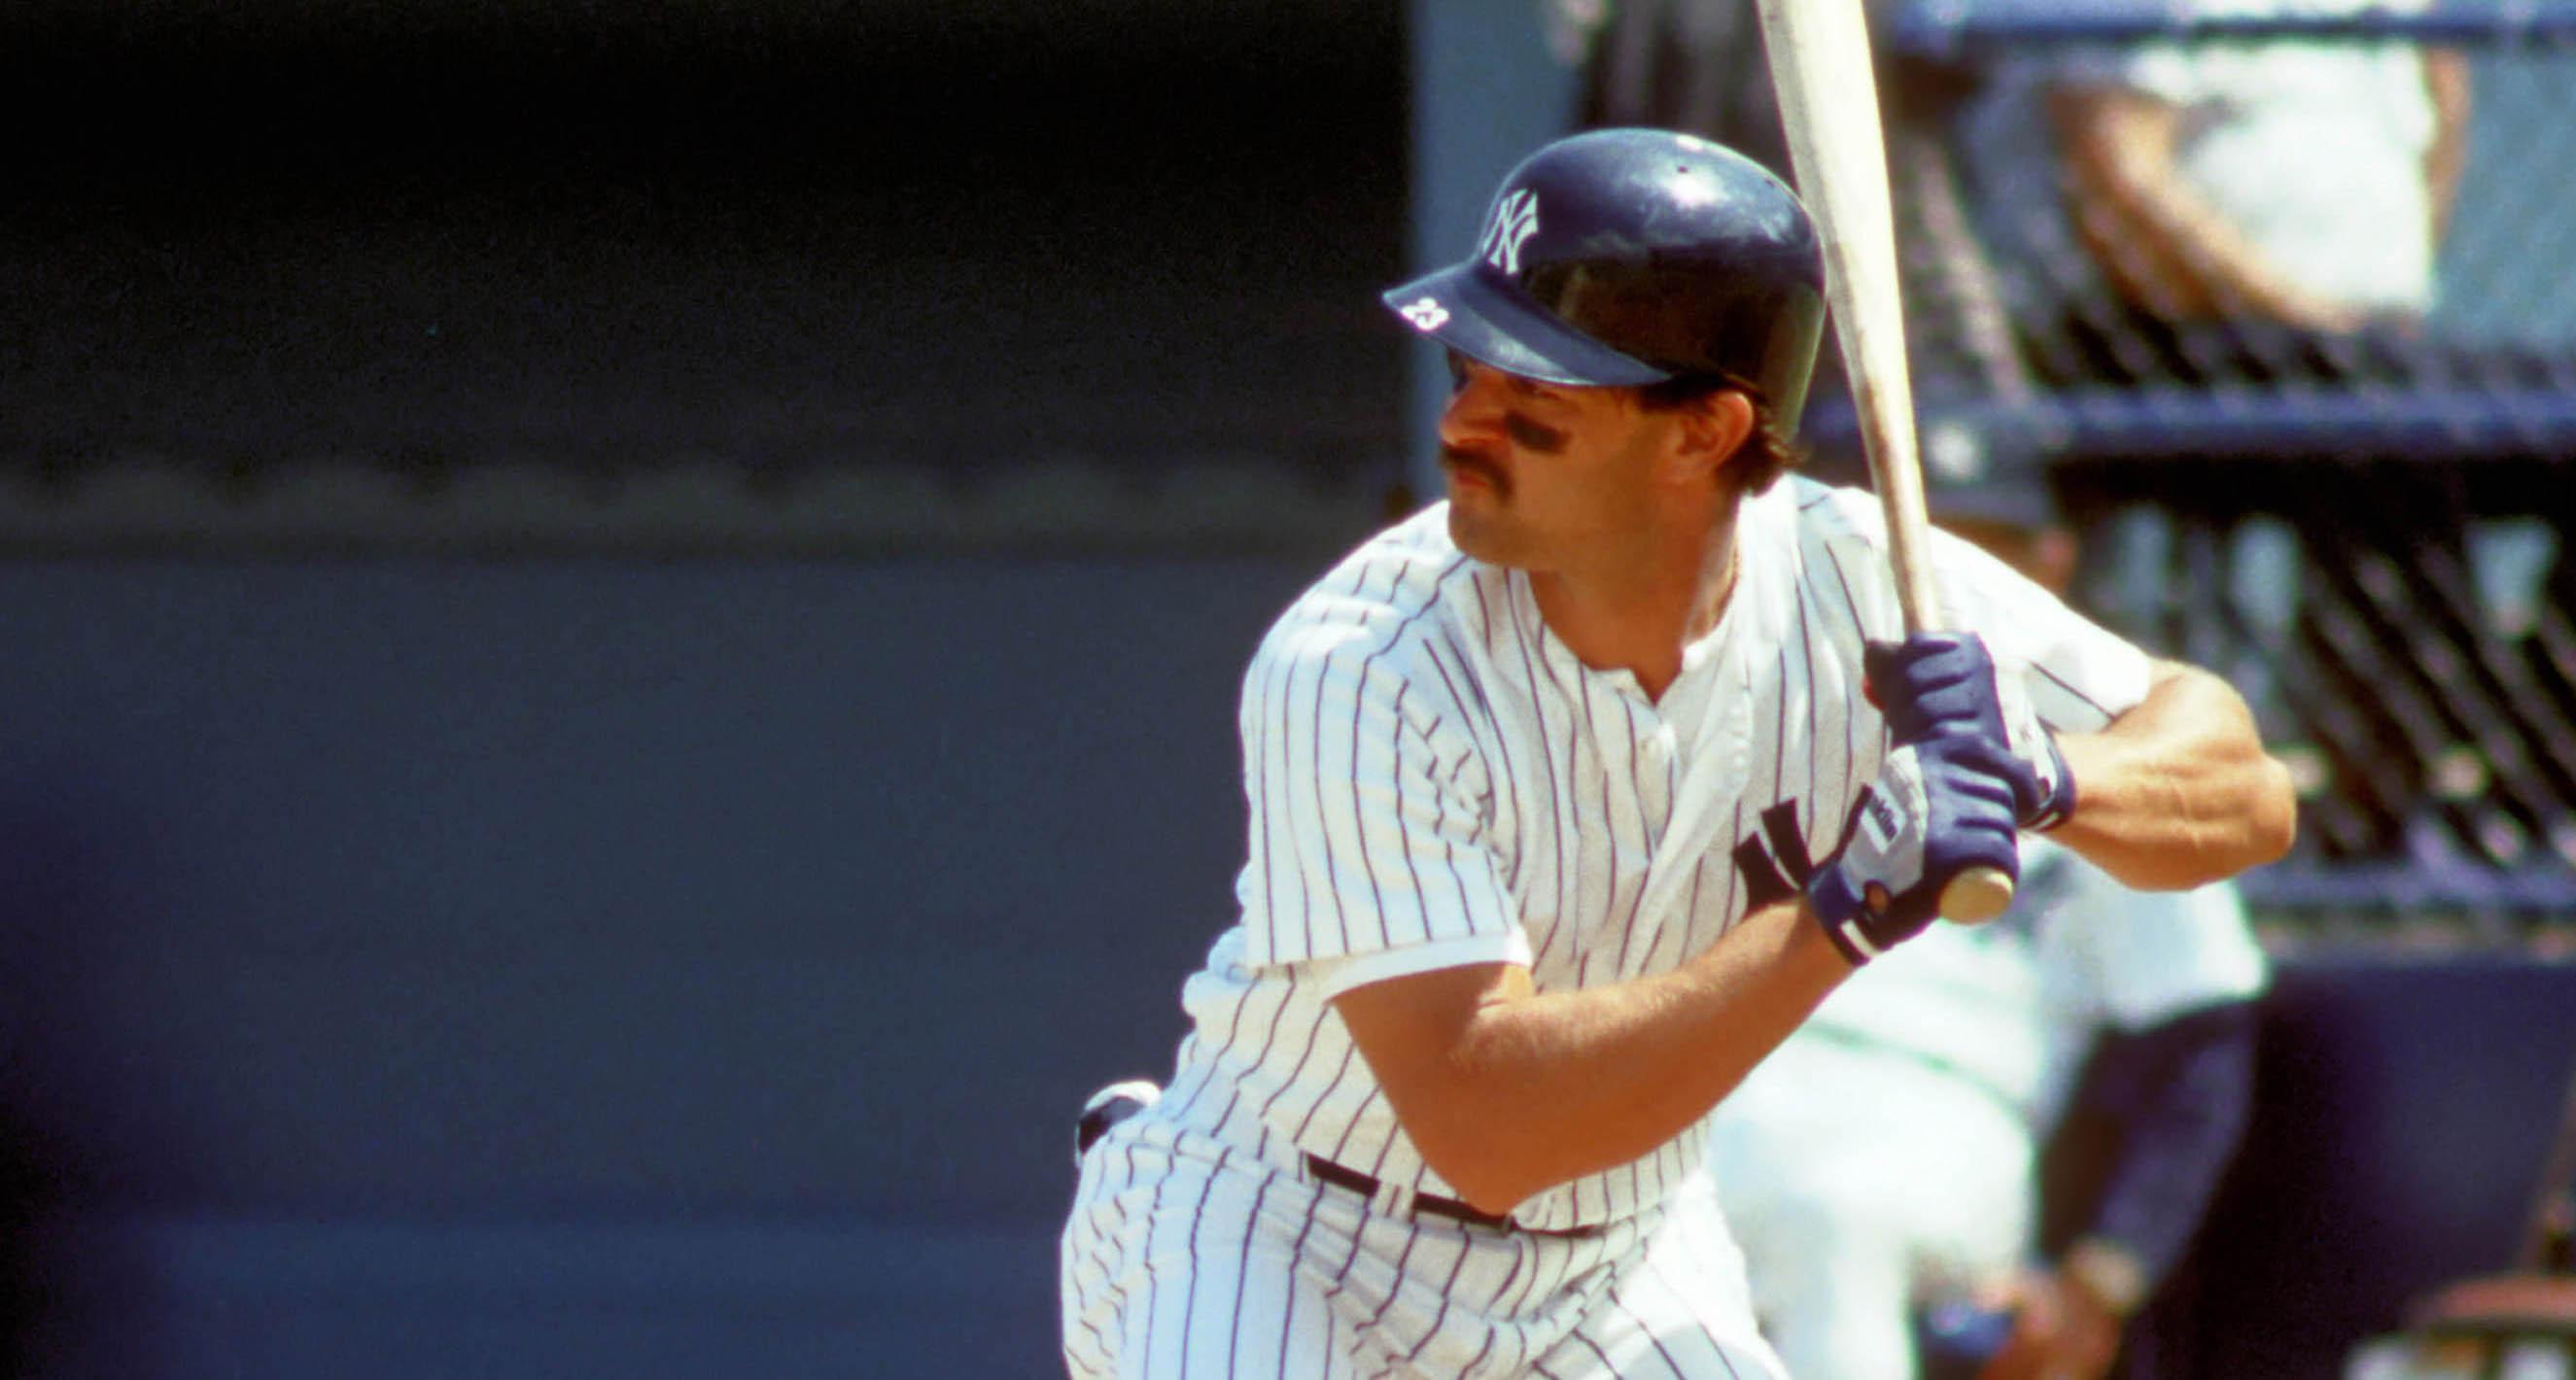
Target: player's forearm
point(2446, 78)
point(1552, 1086)
point(2181, 1094)
point(2178, 792)
point(2118, 172)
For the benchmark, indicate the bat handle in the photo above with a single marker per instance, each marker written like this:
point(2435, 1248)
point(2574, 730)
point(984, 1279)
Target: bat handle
point(1976, 895)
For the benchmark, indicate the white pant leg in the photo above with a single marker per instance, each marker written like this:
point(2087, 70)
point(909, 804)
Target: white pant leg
point(1676, 1309)
point(1184, 1259)
point(1172, 1265)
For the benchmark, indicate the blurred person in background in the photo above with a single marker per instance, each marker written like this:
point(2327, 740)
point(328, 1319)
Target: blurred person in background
point(2258, 207)
point(1877, 1251)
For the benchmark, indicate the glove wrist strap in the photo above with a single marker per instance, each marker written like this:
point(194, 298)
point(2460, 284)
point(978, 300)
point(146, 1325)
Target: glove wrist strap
point(1839, 913)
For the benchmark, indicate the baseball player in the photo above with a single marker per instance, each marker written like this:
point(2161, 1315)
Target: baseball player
point(1571, 796)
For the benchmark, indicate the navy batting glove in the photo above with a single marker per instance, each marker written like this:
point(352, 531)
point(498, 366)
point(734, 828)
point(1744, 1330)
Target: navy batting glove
point(1929, 816)
point(1949, 797)
point(1942, 687)
point(1935, 684)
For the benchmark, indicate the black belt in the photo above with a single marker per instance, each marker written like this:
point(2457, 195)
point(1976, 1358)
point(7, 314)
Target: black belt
point(1325, 1171)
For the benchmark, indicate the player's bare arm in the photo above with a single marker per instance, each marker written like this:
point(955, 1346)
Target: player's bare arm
point(2446, 77)
point(1507, 1091)
point(2178, 791)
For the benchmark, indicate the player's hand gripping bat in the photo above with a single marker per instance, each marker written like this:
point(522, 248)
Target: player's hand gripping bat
point(1820, 63)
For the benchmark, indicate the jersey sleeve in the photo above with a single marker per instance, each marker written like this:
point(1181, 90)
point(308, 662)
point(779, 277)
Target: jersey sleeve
point(2080, 675)
point(2155, 955)
point(1370, 852)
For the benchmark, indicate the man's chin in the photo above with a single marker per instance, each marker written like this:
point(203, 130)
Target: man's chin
point(1474, 533)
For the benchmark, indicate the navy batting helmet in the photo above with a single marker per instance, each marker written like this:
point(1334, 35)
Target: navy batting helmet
point(1633, 256)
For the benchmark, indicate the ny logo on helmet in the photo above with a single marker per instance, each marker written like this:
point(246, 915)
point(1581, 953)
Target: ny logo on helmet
point(1515, 220)
point(1426, 315)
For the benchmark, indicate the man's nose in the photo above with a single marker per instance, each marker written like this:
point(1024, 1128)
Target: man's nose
point(1474, 409)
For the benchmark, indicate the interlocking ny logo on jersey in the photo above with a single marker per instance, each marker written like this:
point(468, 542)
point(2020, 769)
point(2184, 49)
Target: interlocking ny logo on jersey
point(1760, 870)
point(1515, 220)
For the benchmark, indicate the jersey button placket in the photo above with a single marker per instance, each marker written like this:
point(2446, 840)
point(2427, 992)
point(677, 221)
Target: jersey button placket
point(1658, 771)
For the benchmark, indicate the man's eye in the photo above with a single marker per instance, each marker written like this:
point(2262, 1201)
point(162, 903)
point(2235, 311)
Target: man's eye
point(1457, 373)
point(1546, 440)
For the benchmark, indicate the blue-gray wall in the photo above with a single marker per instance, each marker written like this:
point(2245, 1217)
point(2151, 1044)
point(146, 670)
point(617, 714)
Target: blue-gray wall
point(548, 962)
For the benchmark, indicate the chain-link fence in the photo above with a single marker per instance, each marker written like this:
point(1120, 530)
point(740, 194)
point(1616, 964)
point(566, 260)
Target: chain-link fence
point(2280, 297)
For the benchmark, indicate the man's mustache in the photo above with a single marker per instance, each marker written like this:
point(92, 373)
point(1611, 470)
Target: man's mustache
point(1476, 465)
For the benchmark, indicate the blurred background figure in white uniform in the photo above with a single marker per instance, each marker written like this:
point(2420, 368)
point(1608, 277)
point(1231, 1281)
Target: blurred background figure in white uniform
point(1881, 1167)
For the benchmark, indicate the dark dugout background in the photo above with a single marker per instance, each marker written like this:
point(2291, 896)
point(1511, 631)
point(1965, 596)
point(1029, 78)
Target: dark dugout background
point(429, 232)
point(622, 636)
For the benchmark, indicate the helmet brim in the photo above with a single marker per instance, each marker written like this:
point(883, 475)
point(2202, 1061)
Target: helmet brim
point(1464, 309)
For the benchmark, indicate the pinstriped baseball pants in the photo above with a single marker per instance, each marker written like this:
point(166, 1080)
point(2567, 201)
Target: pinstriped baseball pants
point(1186, 1259)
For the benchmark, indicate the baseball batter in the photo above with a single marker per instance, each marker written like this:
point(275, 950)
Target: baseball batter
point(1568, 799)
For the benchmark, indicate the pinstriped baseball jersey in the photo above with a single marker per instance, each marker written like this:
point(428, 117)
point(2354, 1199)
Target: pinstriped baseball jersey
point(1435, 780)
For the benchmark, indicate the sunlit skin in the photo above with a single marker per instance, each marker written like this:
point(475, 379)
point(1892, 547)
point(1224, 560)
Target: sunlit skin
point(1620, 513)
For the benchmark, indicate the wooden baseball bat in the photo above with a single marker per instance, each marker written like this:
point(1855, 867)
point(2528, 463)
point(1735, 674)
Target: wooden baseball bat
point(1820, 64)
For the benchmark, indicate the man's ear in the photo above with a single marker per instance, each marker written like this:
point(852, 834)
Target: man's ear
point(1712, 430)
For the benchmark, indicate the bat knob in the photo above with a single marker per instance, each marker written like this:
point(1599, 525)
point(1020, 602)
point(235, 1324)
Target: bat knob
point(1976, 896)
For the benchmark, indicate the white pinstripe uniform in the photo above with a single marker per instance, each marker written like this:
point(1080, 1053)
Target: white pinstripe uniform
point(1435, 780)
